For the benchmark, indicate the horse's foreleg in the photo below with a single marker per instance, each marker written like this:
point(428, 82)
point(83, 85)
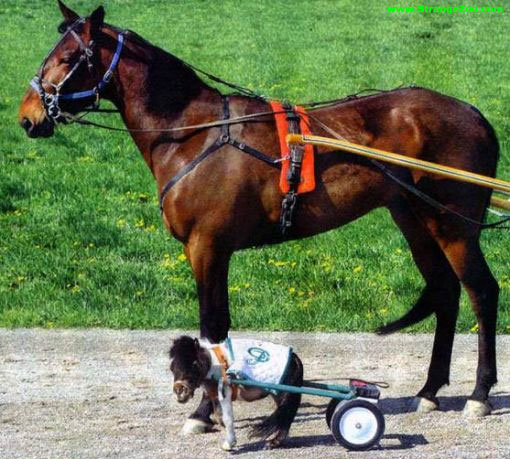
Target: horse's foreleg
point(210, 268)
point(440, 296)
point(470, 266)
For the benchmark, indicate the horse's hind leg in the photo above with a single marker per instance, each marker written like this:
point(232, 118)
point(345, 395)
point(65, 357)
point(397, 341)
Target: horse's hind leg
point(275, 428)
point(469, 263)
point(440, 296)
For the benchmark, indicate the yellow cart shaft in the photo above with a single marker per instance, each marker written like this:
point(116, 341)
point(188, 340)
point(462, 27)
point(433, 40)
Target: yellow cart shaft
point(405, 161)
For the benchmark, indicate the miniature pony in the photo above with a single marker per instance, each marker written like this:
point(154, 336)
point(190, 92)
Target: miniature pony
point(195, 364)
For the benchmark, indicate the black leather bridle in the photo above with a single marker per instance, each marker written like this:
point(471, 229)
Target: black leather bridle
point(51, 101)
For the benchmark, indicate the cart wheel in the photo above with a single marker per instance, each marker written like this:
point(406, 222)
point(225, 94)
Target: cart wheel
point(357, 424)
point(333, 403)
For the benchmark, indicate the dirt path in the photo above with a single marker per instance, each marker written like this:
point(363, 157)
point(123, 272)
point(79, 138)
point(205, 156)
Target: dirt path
point(103, 393)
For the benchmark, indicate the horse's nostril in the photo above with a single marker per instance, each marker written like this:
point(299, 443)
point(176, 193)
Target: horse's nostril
point(26, 124)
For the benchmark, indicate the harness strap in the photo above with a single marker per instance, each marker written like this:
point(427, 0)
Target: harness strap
point(222, 140)
point(255, 153)
point(218, 352)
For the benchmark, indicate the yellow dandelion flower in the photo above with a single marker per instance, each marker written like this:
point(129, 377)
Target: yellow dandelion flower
point(292, 290)
point(358, 269)
point(474, 328)
point(182, 257)
point(86, 159)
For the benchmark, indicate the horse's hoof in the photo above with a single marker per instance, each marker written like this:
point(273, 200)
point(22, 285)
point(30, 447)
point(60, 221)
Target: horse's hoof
point(195, 426)
point(477, 409)
point(226, 446)
point(423, 405)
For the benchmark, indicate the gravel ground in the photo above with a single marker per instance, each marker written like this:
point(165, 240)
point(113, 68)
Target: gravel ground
point(106, 393)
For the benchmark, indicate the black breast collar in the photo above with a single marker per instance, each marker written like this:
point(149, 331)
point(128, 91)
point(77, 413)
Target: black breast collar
point(223, 139)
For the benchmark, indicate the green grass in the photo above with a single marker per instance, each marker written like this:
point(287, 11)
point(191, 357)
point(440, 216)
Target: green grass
point(81, 240)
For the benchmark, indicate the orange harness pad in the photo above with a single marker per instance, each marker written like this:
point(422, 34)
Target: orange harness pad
point(307, 166)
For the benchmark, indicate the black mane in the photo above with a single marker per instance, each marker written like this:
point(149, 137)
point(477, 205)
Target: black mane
point(170, 83)
point(184, 348)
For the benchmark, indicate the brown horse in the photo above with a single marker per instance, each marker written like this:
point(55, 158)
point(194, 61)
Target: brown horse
point(231, 200)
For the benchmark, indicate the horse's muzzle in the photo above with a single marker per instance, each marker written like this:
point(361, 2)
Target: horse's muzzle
point(44, 129)
point(183, 392)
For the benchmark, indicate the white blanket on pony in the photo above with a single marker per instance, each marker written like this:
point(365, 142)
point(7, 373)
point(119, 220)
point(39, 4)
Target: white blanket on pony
point(258, 360)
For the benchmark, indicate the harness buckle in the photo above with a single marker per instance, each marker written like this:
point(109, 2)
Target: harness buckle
point(107, 76)
point(49, 99)
point(225, 138)
point(288, 204)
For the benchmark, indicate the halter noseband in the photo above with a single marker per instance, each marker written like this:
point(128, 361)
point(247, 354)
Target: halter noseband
point(51, 101)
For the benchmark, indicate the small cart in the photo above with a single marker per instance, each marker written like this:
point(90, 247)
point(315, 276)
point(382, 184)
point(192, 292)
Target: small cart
point(352, 414)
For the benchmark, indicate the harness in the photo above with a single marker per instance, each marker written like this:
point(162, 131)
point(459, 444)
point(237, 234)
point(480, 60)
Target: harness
point(225, 138)
point(222, 360)
point(291, 171)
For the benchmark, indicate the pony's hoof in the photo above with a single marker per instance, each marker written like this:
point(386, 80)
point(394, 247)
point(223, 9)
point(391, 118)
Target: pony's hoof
point(227, 446)
point(423, 405)
point(217, 419)
point(272, 444)
point(195, 426)
point(477, 409)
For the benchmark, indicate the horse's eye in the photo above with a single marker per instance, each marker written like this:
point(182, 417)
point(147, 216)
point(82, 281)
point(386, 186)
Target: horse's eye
point(62, 27)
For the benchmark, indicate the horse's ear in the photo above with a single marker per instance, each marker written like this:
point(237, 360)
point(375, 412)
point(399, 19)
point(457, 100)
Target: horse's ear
point(96, 20)
point(69, 14)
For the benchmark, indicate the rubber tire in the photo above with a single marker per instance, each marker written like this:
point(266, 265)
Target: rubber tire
point(333, 403)
point(342, 410)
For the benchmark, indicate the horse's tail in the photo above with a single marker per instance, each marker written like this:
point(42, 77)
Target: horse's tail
point(279, 422)
point(421, 310)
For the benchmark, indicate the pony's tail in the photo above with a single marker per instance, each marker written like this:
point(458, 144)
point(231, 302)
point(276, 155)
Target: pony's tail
point(421, 310)
point(280, 421)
